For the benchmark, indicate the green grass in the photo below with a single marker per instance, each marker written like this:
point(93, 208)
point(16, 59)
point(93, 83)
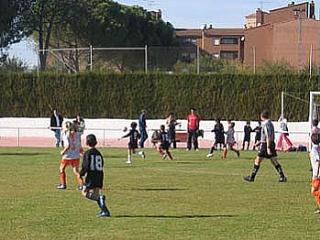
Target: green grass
point(190, 198)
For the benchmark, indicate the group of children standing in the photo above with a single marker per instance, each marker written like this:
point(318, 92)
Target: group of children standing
point(229, 142)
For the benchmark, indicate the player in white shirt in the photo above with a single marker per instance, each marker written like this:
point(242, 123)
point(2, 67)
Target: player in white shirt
point(70, 154)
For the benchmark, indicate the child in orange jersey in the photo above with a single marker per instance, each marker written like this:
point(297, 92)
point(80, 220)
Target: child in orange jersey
point(315, 158)
point(70, 154)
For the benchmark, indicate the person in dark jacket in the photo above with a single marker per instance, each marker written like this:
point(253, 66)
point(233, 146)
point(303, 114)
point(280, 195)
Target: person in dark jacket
point(55, 125)
point(143, 128)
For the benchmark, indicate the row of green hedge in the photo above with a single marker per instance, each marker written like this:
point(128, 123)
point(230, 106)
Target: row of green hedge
point(98, 95)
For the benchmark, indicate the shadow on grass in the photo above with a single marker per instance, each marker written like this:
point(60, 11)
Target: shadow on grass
point(175, 217)
point(192, 162)
point(158, 189)
point(23, 154)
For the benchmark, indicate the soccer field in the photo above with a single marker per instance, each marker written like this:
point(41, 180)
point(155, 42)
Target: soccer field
point(190, 198)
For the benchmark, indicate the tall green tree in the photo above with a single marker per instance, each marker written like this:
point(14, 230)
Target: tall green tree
point(105, 23)
point(11, 24)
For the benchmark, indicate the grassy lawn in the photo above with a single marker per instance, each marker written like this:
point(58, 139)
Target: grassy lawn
point(190, 198)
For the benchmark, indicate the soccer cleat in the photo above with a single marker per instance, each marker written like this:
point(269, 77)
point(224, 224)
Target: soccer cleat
point(104, 214)
point(209, 155)
point(197, 150)
point(164, 156)
point(128, 162)
point(248, 179)
point(282, 179)
point(80, 188)
point(61, 187)
point(143, 155)
point(317, 211)
point(187, 149)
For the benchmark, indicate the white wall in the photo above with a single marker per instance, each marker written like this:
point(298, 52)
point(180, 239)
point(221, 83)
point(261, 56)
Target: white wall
point(38, 127)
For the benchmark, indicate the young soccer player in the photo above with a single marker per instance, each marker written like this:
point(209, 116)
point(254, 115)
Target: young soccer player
point(70, 154)
point(257, 138)
point(247, 135)
point(267, 149)
point(134, 136)
point(230, 142)
point(164, 143)
point(171, 124)
point(315, 158)
point(218, 137)
point(92, 169)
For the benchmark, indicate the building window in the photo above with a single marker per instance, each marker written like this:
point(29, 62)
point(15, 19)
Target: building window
point(190, 40)
point(216, 41)
point(229, 40)
point(229, 55)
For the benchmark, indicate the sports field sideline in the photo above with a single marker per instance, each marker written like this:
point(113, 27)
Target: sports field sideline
point(192, 197)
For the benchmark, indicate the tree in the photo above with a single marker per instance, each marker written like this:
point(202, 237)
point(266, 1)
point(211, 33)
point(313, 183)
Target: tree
point(104, 23)
point(42, 17)
point(11, 23)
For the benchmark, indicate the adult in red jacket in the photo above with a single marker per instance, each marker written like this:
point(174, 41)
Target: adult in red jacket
point(193, 127)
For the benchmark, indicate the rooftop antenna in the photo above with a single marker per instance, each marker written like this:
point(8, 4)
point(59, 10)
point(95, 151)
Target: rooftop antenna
point(262, 4)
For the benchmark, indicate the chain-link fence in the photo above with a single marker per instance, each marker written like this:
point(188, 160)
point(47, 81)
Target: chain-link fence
point(187, 59)
point(183, 59)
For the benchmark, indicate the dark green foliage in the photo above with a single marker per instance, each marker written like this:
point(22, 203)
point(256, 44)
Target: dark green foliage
point(100, 95)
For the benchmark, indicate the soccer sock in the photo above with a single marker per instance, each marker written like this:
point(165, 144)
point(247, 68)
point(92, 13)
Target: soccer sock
point(169, 155)
point(225, 151)
point(211, 150)
point(92, 196)
point(102, 203)
point(254, 171)
point(279, 170)
point(129, 158)
point(160, 151)
point(63, 178)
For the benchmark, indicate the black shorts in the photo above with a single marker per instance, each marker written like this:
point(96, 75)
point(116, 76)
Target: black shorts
point(247, 139)
point(132, 145)
point(263, 153)
point(219, 141)
point(165, 145)
point(94, 180)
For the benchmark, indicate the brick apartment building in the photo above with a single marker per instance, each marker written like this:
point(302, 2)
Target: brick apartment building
point(222, 43)
point(289, 34)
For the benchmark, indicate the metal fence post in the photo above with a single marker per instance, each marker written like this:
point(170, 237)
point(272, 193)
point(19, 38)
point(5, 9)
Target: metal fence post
point(91, 56)
point(18, 137)
point(198, 60)
point(146, 58)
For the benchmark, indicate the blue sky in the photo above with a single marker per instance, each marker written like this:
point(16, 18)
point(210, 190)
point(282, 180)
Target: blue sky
point(184, 14)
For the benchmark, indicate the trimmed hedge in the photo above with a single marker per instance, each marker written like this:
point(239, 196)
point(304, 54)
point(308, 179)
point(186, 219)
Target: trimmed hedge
point(99, 95)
